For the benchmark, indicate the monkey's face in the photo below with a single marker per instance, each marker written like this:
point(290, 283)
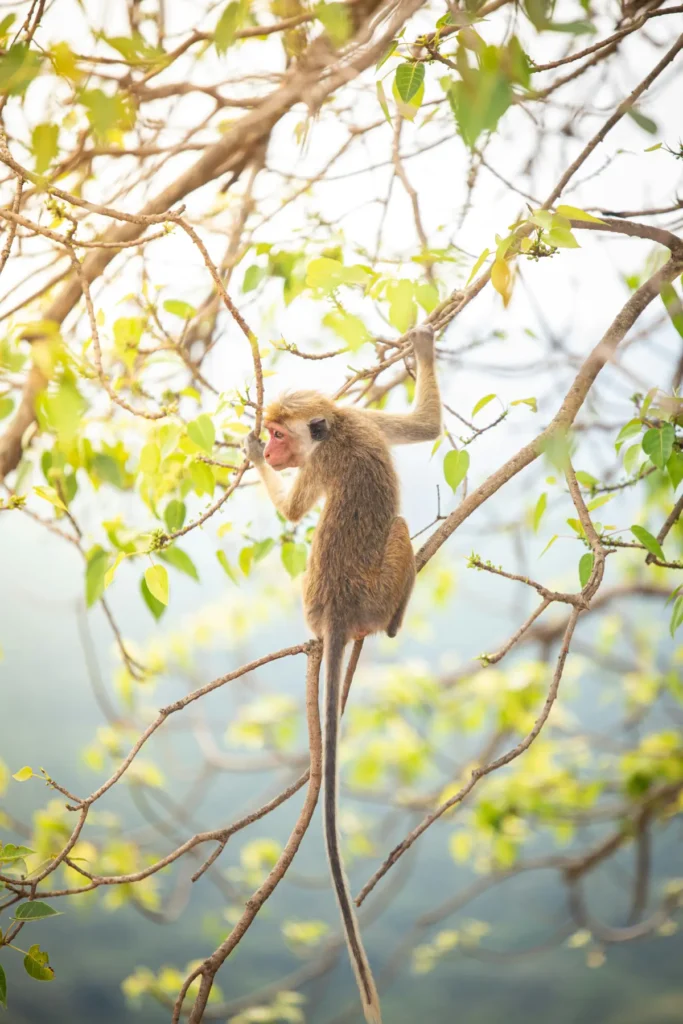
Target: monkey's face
point(283, 450)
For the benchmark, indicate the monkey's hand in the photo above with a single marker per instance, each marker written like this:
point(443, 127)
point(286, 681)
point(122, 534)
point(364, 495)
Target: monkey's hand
point(423, 341)
point(253, 448)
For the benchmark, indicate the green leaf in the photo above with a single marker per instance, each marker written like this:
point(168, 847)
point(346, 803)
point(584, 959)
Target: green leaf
point(156, 578)
point(549, 544)
point(5, 26)
point(387, 54)
point(294, 558)
point(37, 966)
point(3, 988)
point(585, 568)
point(632, 428)
point(6, 406)
point(179, 308)
point(574, 28)
point(382, 99)
point(427, 295)
point(599, 502)
point(324, 273)
point(632, 457)
point(658, 444)
point(648, 541)
point(409, 78)
point(202, 478)
point(156, 607)
point(539, 12)
point(108, 115)
point(480, 98)
point(64, 409)
point(227, 568)
point(10, 852)
point(96, 567)
point(455, 466)
point(136, 50)
point(111, 571)
point(349, 327)
point(18, 67)
point(253, 276)
point(44, 145)
point(228, 24)
point(673, 306)
point(50, 494)
point(180, 560)
point(585, 479)
point(479, 264)
point(563, 238)
point(174, 515)
point(676, 616)
point(23, 774)
point(150, 458)
point(169, 435)
point(336, 21)
point(245, 559)
point(262, 547)
point(531, 402)
point(402, 308)
point(481, 403)
point(34, 911)
point(574, 213)
point(202, 432)
point(541, 505)
point(646, 123)
point(675, 468)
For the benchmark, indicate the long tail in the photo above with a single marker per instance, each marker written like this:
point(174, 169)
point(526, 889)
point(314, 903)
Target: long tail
point(334, 654)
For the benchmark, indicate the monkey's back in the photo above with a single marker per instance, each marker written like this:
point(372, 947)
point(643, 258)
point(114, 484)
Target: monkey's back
point(342, 586)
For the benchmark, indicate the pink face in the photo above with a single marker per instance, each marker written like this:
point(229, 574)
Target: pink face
point(282, 449)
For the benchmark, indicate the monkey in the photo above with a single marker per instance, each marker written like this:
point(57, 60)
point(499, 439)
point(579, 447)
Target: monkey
point(361, 568)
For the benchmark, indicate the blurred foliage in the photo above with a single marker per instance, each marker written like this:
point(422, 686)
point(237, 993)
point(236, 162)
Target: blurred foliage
point(131, 439)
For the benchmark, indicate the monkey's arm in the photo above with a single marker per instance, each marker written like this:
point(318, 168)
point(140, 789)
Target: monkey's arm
point(423, 422)
point(292, 504)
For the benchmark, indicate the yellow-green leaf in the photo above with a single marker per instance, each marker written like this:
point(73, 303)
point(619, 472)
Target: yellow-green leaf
point(294, 558)
point(23, 774)
point(531, 402)
point(179, 308)
point(156, 578)
point(585, 568)
point(44, 145)
point(36, 965)
point(481, 403)
point(202, 432)
point(574, 213)
point(49, 494)
point(455, 466)
point(479, 264)
point(540, 508)
point(96, 568)
point(227, 568)
point(150, 457)
point(382, 99)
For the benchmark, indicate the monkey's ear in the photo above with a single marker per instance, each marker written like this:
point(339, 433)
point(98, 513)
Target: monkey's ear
point(318, 428)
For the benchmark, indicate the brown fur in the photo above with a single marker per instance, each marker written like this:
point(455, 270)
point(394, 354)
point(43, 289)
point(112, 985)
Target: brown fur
point(361, 567)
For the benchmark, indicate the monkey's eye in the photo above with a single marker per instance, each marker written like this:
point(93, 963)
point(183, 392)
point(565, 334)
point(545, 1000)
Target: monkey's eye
point(278, 434)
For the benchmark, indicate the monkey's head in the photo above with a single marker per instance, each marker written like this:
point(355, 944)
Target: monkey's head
point(296, 424)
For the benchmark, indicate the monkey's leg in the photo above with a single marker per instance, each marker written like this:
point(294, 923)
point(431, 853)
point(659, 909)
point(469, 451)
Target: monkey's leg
point(398, 571)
